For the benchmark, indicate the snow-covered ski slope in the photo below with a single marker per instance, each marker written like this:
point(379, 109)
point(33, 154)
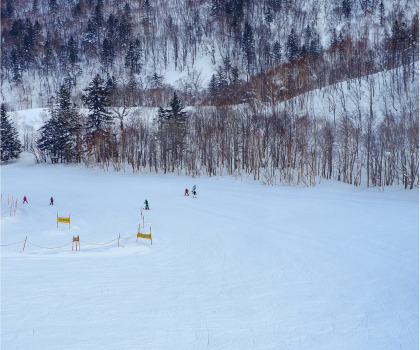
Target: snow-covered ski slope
point(243, 266)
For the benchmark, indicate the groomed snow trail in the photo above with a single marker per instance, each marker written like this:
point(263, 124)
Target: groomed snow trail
point(243, 266)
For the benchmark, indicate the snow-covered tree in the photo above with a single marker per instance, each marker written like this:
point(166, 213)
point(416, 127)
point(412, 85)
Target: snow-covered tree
point(61, 135)
point(10, 144)
point(97, 101)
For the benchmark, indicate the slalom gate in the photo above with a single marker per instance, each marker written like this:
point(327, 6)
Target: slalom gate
point(63, 219)
point(145, 235)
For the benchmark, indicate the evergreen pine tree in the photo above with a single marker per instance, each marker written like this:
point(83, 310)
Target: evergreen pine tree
point(292, 46)
point(9, 9)
point(28, 43)
point(133, 57)
point(147, 13)
point(125, 27)
point(90, 32)
point(248, 46)
point(72, 51)
point(97, 100)
point(53, 5)
point(107, 53)
point(212, 90)
point(173, 126)
point(269, 17)
point(47, 140)
point(77, 9)
point(227, 66)
point(61, 134)
point(70, 126)
point(10, 144)
point(156, 81)
point(97, 15)
point(315, 48)
point(382, 14)
point(112, 27)
point(221, 78)
point(35, 6)
point(15, 62)
point(48, 55)
point(307, 36)
point(346, 6)
point(177, 109)
point(215, 8)
point(276, 52)
point(235, 77)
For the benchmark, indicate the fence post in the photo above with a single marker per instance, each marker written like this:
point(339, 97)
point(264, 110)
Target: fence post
point(77, 241)
point(119, 239)
point(24, 244)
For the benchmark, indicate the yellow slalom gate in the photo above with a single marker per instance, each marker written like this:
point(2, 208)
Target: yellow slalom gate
point(63, 219)
point(145, 235)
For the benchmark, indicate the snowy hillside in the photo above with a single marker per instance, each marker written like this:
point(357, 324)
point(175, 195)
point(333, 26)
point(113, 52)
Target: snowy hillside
point(243, 266)
point(145, 48)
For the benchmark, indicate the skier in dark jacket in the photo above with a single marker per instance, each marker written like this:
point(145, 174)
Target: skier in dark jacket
point(51, 201)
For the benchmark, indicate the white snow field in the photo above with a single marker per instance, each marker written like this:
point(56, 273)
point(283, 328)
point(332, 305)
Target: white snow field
point(243, 266)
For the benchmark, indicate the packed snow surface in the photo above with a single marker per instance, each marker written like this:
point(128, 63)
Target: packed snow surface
point(243, 266)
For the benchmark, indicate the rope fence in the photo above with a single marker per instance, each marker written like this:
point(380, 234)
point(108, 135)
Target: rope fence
point(99, 243)
point(126, 239)
point(5, 245)
point(61, 246)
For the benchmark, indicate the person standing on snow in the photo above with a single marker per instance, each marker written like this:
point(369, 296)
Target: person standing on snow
point(51, 201)
point(25, 200)
point(146, 203)
point(186, 192)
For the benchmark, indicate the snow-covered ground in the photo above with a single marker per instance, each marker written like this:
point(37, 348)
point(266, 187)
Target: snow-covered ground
point(243, 266)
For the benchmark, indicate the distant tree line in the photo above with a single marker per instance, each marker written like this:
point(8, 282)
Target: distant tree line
point(272, 147)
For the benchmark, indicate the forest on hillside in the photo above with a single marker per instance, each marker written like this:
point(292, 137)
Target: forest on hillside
point(244, 65)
